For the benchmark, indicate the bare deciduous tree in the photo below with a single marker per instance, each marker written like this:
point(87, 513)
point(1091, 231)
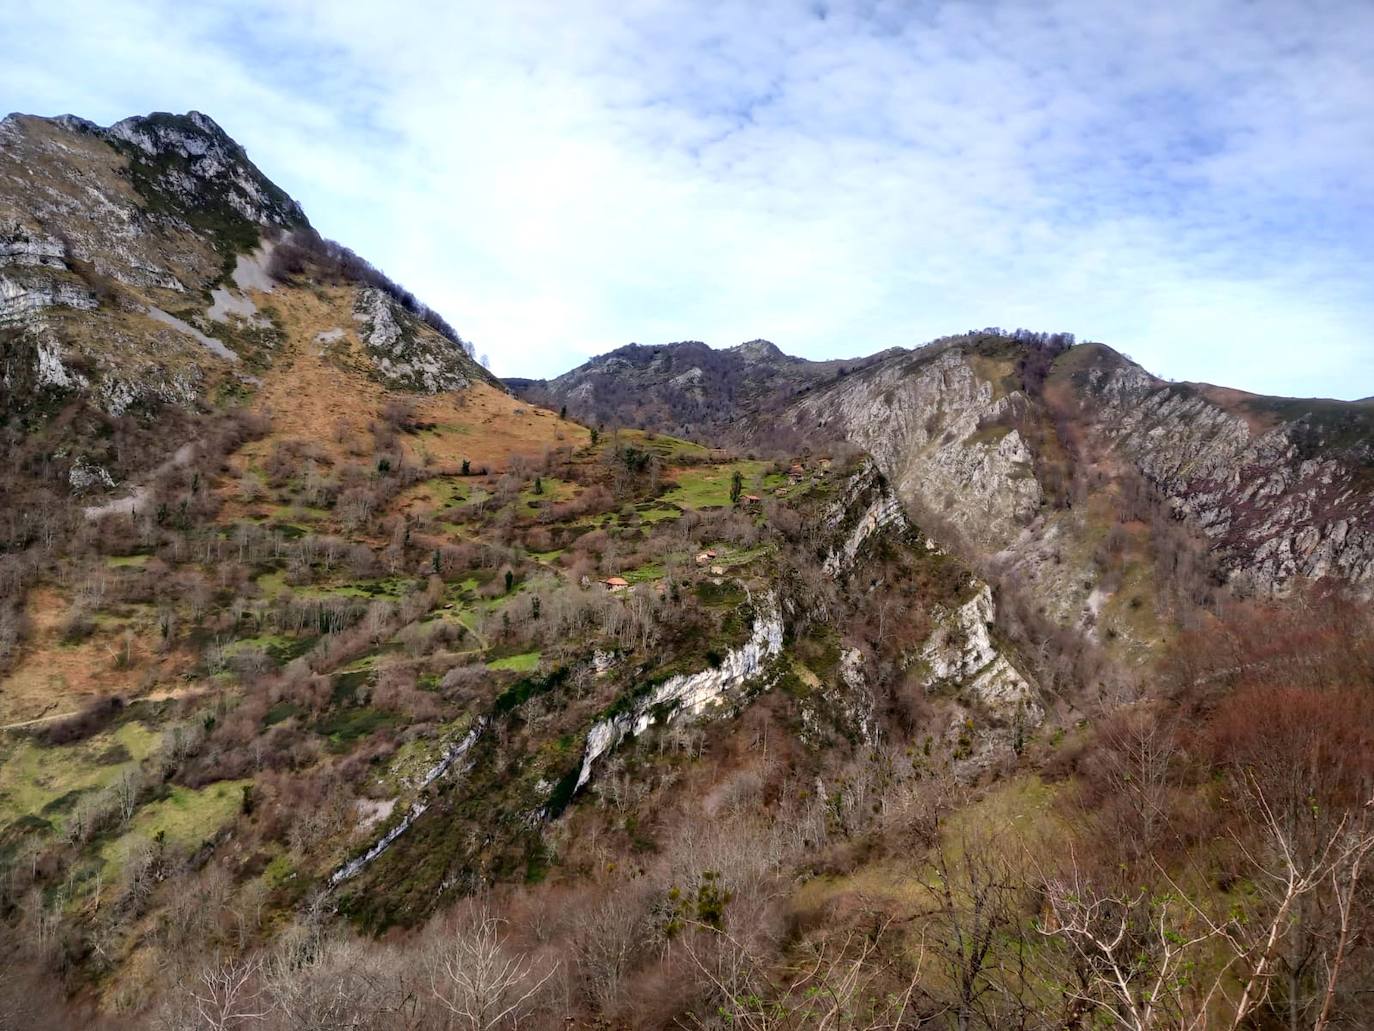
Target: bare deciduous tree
point(228, 994)
point(1166, 961)
point(478, 980)
point(836, 983)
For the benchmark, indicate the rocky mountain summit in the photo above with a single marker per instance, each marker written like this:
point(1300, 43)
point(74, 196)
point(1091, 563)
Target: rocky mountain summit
point(144, 271)
point(158, 202)
point(684, 387)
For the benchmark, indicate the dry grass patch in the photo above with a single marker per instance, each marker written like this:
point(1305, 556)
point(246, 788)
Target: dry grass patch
point(487, 427)
point(53, 677)
point(322, 392)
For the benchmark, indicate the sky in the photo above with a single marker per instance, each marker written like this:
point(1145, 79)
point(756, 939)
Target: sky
point(1190, 183)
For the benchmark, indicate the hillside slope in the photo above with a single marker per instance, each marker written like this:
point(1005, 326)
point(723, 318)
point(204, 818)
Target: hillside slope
point(153, 282)
point(302, 610)
point(155, 287)
point(129, 262)
point(1028, 453)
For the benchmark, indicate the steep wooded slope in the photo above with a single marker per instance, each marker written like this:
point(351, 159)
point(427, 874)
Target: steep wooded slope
point(308, 631)
point(306, 619)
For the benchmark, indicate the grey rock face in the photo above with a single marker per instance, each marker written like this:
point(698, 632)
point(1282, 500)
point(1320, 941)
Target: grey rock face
point(113, 242)
point(69, 195)
point(1271, 512)
point(690, 695)
point(993, 705)
point(102, 232)
point(865, 507)
point(961, 652)
point(21, 295)
point(22, 249)
point(960, 661)
point(1265, 482)
point(83, 476)
point(195, 157)
point(405, 357)
point(920, 420)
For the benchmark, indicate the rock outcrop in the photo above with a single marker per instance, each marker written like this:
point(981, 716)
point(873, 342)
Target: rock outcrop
point(924, 420)
point(108, 237)
point(418, 808)
point(191, 161)
point(22, 295)
point(961, 657)
point(690, 695)
point(960, 662)
point(866, 506)
point(1281, 489)
point(1277, 489)
point(403, 356)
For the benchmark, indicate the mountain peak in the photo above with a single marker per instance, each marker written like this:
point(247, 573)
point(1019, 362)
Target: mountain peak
point(188, 162)
point(760, 351)
point(160, 129)
point(684, 387)
point(108, 236)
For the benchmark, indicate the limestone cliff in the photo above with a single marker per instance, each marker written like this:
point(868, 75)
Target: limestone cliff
point(920, 417)
point(1281, 488)
point(987, 703)
point(1275, 489)
point(689, 695)
point(403, 355)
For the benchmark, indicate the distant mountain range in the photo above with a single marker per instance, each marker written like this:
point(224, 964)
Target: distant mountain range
point(686, 387)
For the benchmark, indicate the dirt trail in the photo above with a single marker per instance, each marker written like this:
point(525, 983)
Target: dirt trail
point(53, 717)
point(50, 718)
point(135, 501)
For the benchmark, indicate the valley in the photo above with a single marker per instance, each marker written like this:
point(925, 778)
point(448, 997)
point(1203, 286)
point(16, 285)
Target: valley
point(992, 683)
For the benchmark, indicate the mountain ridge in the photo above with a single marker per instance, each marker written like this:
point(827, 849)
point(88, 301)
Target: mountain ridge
point(992, 438)
point(138, 265)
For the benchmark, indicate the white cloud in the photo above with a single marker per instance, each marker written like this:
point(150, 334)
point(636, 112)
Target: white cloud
point(561, 177)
